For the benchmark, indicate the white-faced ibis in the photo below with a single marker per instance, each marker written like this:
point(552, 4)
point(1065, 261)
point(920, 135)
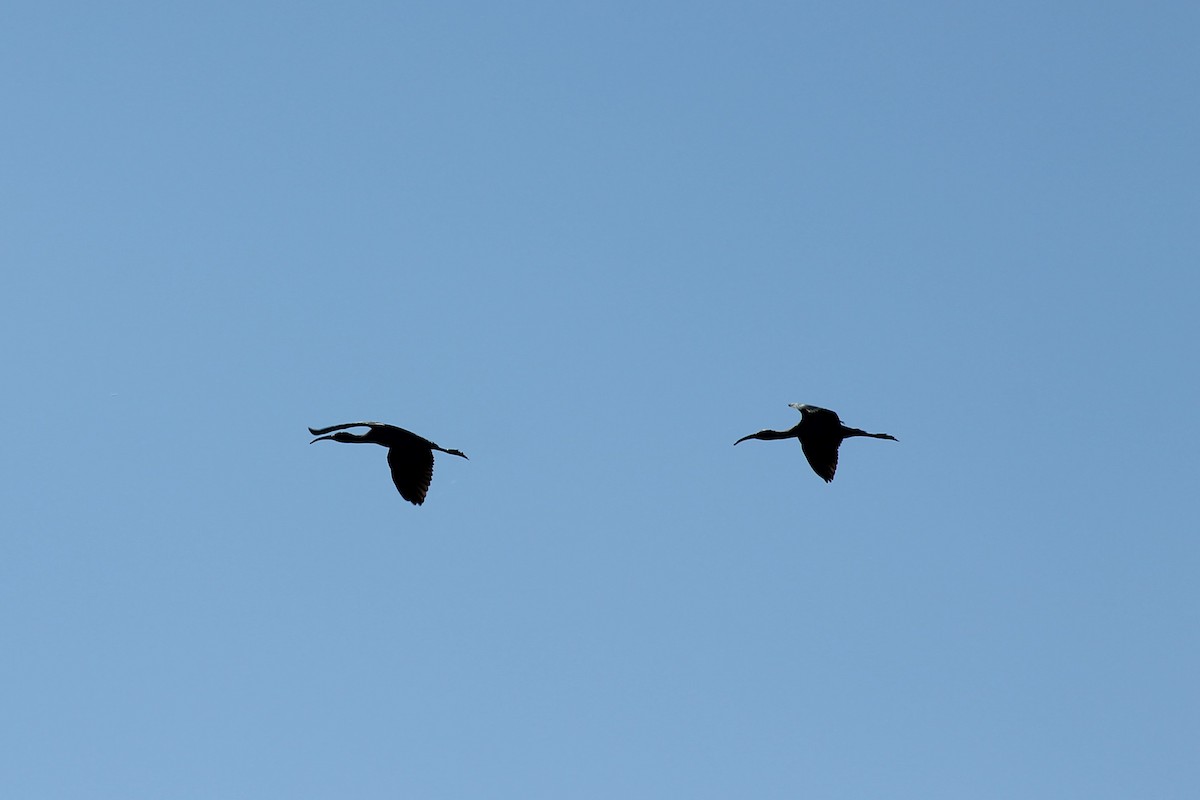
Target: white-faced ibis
point(820, 432)
point(409, 456)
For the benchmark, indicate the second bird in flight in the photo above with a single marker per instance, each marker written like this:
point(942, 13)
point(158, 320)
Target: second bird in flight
point(820, 432)
point(410, 456)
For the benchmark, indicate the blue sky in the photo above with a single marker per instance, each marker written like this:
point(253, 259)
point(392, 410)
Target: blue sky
point(591, 245)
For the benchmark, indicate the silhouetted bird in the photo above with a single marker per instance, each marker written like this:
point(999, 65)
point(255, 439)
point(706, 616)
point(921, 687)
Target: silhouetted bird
point(820, 432)
point(410, 456)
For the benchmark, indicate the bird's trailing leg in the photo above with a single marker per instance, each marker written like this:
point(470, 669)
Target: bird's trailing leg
point(848, 432)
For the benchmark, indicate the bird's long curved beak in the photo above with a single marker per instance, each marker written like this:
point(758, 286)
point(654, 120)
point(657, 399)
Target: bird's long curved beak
point(319, 438)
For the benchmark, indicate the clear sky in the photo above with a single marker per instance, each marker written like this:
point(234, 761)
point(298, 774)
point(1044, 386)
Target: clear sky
point(591, 245)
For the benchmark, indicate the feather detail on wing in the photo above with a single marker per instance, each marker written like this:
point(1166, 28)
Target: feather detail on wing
point(822, 458)
point(412, 470)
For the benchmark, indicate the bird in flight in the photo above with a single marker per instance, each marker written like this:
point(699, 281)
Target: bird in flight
point(820, 432)
point(409, 456)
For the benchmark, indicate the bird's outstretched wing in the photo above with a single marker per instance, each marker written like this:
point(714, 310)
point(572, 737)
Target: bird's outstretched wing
point(822, 457)
point(344, 425)
point(412, 470)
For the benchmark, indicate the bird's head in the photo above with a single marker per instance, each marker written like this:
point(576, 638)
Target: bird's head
point(801, 407)
point(458, 453)
point(340, 436)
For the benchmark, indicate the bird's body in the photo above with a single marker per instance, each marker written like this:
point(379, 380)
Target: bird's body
point(820, 432)
point(410, 456)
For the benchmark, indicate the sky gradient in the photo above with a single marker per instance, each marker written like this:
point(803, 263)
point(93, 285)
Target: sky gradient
point(591, 245)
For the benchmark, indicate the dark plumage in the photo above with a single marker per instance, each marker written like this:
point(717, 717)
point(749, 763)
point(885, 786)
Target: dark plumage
point(409, 456)
point(820, 432)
